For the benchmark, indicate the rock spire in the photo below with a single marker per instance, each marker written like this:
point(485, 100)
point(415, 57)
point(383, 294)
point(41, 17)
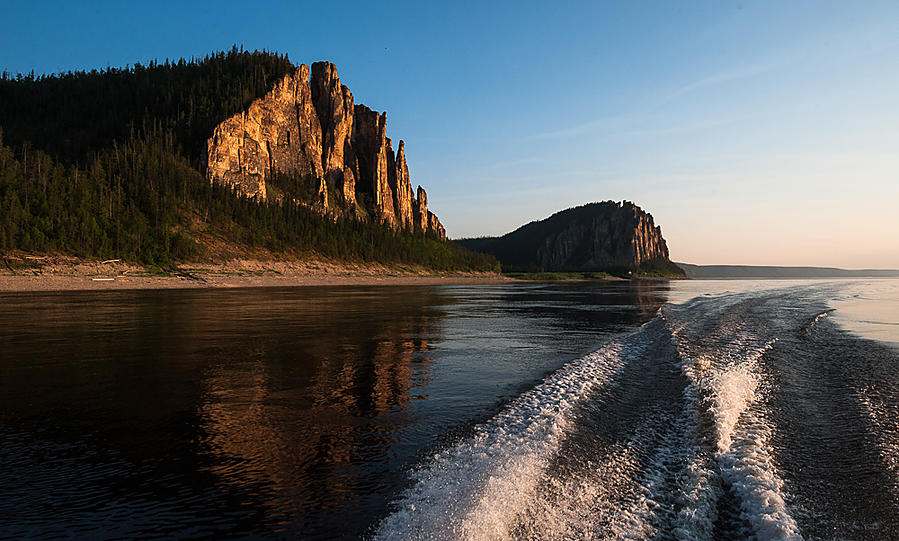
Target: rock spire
point(307, 139)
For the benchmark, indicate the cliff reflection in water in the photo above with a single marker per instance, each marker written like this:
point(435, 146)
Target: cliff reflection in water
point(295, 412)
point(265, 412)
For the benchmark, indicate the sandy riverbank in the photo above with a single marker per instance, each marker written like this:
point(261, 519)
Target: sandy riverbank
point(22, 274)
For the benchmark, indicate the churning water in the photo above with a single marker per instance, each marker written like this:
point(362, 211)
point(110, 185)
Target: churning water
point(735, 410)
point(731, 416)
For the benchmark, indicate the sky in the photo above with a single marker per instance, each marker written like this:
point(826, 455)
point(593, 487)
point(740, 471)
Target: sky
point(758, 133)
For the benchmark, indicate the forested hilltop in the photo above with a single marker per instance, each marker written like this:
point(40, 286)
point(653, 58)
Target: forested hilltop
point(112, 164)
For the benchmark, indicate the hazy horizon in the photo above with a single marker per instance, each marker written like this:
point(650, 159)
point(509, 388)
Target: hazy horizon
point(755, 133)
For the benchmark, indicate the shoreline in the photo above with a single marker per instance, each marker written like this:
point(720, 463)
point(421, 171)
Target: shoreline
point(24, 274)
point(51, 283)
point(62, 273)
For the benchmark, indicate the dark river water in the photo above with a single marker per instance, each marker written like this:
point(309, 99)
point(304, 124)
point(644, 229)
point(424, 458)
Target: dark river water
point(264, 412)
point(647, 410)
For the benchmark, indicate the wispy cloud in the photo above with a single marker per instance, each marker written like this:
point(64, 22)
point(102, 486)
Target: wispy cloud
point(725, 76)
point(569, 131)
point(510, 164)
point(710, 80)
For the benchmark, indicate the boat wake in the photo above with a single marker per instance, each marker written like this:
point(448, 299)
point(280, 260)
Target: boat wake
point(697, 426)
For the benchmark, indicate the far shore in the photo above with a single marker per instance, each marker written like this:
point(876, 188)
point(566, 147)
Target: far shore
point(11, 284)
point(60, 273)
point(30, 273)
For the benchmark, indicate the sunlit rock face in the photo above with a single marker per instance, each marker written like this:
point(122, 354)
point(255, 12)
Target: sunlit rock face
point(435, 226)
point(309, 128)
point(420, 210)
point(334, 104)
point(280, 132)
point(402, 189)
point(375, 155)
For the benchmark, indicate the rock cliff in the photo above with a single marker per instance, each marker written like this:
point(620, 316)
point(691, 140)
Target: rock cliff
point(334, 105)
point(279, 133)
point(307, 139)
point(597, 236)
point(402, 189)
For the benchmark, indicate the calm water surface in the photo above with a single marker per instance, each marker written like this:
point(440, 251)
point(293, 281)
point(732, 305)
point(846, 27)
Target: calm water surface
point(268, 412)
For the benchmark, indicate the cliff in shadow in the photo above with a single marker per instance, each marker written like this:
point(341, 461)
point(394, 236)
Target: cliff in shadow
point(608, 236)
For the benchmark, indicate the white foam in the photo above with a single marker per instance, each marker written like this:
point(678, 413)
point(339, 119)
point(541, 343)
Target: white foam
point(664, 479)
point(478, 488)
point(728, 380)
point(618, 495)
point(602, 500)
point(733, 390)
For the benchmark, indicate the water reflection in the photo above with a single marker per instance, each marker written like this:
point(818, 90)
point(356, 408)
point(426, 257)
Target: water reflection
point(259, 412)
point(327, 390)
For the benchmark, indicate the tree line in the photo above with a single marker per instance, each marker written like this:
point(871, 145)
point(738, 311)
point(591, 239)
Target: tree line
point(108, 164)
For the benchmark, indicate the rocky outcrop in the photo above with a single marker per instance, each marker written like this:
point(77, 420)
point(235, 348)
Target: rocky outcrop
point(277, 134)
point(597, 236)
point(620, 236)
point(435, 226)
point(334, 104)
point(420, 210)
point(307, 139)
point(422, 218)
point(373, 150)
point(402, 189)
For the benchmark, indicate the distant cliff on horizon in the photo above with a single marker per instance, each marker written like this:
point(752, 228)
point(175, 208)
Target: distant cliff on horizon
point(737, 272)
point(607, 236)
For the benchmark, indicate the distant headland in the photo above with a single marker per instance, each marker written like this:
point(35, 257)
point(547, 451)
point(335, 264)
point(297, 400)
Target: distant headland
point(772, 272)
point(616, 238)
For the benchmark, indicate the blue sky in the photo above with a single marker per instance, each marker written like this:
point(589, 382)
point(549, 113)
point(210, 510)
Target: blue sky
point(754, 132)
